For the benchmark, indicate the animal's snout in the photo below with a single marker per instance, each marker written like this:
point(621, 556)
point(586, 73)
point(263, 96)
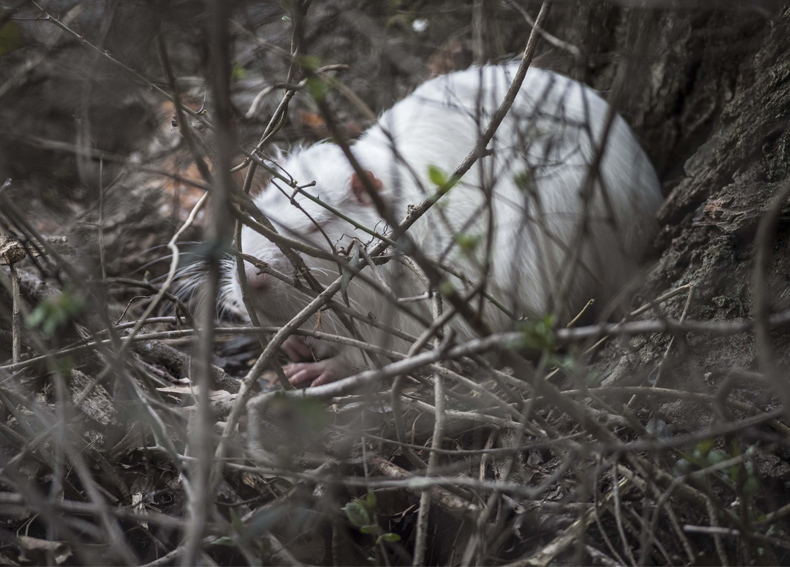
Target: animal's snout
point(258, 281)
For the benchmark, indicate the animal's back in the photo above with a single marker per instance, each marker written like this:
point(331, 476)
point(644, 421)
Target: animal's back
point(535, 180)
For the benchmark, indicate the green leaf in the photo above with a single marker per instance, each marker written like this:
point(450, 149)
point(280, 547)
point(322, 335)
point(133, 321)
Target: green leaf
point(371, 499)
point(524, 180)
point(705, 446)
point(357, 514)
point(10, 38)
point(37, 317)
point(317, 87)
point(449, 185)
point(468, 242)
point(437, 176)
point(310, 62)
point(390, 537)
point(446, 288)
point(538, 334)
point(371, 529)
point(56, 312)
point(238, 73)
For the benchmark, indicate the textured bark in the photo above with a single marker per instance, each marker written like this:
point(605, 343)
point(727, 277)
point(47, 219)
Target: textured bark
point(714, 114)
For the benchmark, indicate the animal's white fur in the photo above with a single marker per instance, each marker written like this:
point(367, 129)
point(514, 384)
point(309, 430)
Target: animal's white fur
point(547, 133)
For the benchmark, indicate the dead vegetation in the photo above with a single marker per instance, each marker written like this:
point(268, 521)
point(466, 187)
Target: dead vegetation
point(660, 438)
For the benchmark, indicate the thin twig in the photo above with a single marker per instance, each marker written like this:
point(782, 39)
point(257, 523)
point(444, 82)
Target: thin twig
point(16, 316)
point(761, 296)
point(420, 547)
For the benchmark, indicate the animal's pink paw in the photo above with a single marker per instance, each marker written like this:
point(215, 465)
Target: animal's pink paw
point(304, 374)
point(296, 349)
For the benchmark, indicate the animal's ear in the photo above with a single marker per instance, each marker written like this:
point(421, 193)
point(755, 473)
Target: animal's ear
point(359, 190)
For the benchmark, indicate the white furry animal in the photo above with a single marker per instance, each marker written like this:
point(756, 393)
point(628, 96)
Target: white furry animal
point(535, 182)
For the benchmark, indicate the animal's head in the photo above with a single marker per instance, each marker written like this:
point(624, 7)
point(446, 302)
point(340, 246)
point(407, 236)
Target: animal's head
point(296, 216)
